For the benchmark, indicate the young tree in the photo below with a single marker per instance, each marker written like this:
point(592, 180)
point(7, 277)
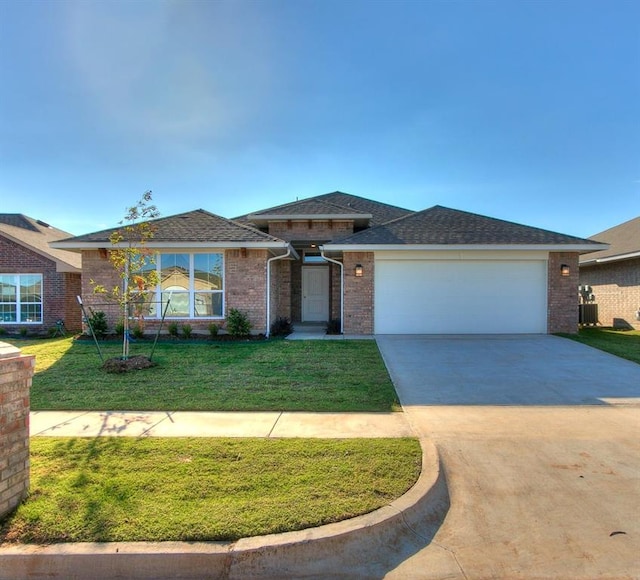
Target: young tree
point(134, 263)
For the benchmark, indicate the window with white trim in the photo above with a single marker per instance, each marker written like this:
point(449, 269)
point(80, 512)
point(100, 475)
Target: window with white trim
point(193, 282)
point(21, 298)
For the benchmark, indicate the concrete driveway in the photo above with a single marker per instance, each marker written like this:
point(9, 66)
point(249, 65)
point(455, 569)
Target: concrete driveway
point(539, 437)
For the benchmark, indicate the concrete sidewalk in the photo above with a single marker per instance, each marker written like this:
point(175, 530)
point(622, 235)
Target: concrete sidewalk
point(191, 424)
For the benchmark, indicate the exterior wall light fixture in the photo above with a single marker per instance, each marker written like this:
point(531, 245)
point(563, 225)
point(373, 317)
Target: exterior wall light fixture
point(565, 270)
point(359, 271)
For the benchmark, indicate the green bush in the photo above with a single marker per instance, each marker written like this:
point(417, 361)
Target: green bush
point(119, 328)
point(238, 323)
point(281, 327)
point(3, 331)
point(137, 331)
point(98, 321)
point(187, 330)
point(172, 329)
point(24, 331)
point(213, 330)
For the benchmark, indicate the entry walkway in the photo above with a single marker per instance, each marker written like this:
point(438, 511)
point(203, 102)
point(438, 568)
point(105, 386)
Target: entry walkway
point(191, 424)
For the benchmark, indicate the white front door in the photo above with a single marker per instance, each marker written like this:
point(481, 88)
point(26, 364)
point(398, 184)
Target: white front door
point(315, 294)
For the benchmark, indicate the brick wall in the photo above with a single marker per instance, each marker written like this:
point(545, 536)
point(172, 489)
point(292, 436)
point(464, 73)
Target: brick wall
point(59, 288)
point(616, 286)
point(245, 278)
point(280, 289)
point(562, 293)
point(15, 382)
point(358, 293)
point(311, 229)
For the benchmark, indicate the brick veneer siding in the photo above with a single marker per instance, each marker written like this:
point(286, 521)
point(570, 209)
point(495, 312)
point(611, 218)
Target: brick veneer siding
point(16, 372)
point(245, 283)
point(358, 293)
point(245, 279)
point(59, 288)
point(334, 297)
point(281, 289)
point(562, 293)
point(616, 286)
point(320, 230)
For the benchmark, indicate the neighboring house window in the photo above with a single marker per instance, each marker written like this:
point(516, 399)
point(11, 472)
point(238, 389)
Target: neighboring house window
point(195, 284)
point(21, 298)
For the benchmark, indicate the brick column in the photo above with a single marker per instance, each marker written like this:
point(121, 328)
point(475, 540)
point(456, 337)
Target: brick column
point(358, 293)
point(562, 315)
point(16, 372)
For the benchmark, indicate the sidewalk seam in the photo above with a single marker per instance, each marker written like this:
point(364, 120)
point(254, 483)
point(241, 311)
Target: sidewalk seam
point(274, 425)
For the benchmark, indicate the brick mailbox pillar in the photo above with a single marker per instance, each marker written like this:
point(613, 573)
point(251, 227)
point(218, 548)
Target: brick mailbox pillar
point(16, 371)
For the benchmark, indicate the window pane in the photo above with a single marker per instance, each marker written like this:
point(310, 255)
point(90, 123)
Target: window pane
point(179, 306)
point(174, 271)
point(8, 289)
point(30, 288)
point(31, 313)
point(207, 271)
point(208, 304)
point(7, 313)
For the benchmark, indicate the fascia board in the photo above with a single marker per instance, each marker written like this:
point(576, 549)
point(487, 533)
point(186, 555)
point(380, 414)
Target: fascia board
point(617, 258)
point(165, 245)
point(306, 217)
point(456, 247)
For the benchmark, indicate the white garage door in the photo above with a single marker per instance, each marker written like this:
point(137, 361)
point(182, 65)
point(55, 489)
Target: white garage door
point(460, 297)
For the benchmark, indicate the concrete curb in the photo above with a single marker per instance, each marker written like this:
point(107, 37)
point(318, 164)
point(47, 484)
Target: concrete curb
point(365, 546)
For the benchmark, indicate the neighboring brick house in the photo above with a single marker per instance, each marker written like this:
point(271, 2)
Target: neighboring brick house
point(375, 267)
point(614, 275)
point(38, 284)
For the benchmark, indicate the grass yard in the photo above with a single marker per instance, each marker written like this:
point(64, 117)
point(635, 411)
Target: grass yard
point(276, 375)
point(121, 489)
point(622, 343)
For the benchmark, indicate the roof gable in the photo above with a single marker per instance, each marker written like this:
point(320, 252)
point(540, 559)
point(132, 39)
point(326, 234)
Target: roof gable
point(439, 226)
point(35, 235)
point(332, 206)
point(623, 240)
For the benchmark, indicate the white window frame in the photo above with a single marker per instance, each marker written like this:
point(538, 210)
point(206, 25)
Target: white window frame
point(18, 301)
point(192, 291)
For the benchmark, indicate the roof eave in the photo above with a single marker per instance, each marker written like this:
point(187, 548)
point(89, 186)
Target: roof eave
point(608, 259)
point(444, 247)
point(79, 246)
point(61, 265)
point(311, 216)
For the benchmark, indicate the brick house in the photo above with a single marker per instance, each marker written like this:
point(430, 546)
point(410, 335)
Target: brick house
point(375, 267)
point(38, 284)
point(614, 275)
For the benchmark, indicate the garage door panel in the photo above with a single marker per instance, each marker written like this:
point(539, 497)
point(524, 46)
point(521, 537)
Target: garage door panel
point(453, 297)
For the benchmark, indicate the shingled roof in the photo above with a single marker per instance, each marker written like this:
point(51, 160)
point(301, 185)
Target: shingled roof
point(198, 227)
point(332, 205)
point(439, 226)
point(623, 240)
point(36, 235)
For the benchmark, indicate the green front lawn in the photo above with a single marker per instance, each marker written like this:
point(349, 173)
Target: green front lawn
point(622, 343)
point(274, 375)
point(124, 489)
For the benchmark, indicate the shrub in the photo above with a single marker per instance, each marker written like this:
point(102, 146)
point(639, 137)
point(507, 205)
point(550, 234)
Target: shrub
point(98, 321)
point(281, 327)
point(3, 331)
point(172, 329)
point(213, 330)
point(187, 330)
point(238, 323)
point(137, 331)
point(24, 331)
point(333, 326)
point(119, 328)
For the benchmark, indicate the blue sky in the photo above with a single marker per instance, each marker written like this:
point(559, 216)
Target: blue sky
point(524, 111)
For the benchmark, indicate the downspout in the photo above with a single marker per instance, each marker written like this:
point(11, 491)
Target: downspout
point(341, 286)
point(268, 330)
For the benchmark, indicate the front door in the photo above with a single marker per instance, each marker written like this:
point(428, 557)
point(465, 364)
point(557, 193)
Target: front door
point(315, 294)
